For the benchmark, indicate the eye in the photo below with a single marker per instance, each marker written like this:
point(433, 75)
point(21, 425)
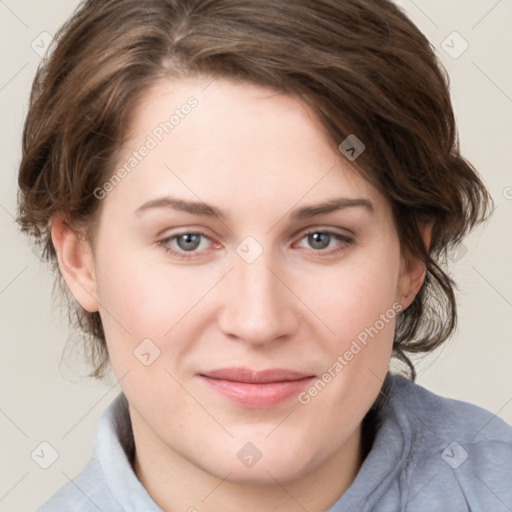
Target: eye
point(188, 242)
point(320, 240)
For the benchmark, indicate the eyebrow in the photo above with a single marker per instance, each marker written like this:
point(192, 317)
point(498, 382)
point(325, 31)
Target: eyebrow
point(206, 210)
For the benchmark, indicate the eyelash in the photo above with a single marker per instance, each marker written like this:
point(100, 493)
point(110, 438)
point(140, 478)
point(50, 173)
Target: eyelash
point(345, 241)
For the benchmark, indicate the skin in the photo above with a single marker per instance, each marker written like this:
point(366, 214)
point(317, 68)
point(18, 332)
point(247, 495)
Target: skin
point(258, 156)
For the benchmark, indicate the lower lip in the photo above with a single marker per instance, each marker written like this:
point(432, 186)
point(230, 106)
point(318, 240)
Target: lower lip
point(258, 395)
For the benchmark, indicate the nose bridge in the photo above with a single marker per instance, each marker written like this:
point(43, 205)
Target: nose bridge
point(260, 308)
point(257, 283)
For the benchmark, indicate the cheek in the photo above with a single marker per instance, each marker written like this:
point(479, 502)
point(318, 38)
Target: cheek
point(148, 298)
point(140, 300)
point(357, 356)
point(364, 322)
point(360, 298)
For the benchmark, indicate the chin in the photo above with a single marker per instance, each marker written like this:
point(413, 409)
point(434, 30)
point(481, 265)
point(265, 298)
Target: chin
point(264, 473)
point(261, 462)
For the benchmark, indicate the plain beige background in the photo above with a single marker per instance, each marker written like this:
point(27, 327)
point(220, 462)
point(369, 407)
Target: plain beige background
point(45, 400)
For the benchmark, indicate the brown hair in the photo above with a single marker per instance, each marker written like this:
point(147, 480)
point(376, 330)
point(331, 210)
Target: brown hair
point(361, 65)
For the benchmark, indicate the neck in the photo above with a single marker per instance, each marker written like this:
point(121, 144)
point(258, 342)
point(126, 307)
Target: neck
point(174, 483)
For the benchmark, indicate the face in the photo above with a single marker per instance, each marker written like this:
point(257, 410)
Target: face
point(235, 310)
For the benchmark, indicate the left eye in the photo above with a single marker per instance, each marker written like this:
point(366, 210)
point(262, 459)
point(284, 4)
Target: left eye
point(186, 242)
point(320, 240)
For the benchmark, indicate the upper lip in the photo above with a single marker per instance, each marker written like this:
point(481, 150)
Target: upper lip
point(246, 375)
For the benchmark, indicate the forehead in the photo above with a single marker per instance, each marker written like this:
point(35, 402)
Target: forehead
point(233, 144)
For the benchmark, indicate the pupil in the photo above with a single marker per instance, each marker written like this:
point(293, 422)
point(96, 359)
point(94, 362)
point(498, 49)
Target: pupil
point(316, 240)
point(191, 241)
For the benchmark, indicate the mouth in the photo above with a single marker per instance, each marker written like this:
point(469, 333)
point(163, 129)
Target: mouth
point(256, 388)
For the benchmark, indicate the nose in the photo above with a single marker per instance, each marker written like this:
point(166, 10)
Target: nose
point(258, 307)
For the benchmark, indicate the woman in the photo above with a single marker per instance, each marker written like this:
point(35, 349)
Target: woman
point(249, 203)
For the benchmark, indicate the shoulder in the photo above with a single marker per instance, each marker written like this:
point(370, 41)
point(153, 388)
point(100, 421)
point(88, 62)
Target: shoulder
point(87, 492)
point(445, 417)
point(457, 451)
point(107, 482)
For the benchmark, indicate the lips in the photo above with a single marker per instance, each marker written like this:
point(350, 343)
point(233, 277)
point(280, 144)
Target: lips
point(256, 388)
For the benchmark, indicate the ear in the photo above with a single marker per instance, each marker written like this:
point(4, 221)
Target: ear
point(76, 263)
point(412, 272)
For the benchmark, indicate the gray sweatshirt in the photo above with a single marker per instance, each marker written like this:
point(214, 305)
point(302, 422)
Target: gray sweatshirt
point(430, 454)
